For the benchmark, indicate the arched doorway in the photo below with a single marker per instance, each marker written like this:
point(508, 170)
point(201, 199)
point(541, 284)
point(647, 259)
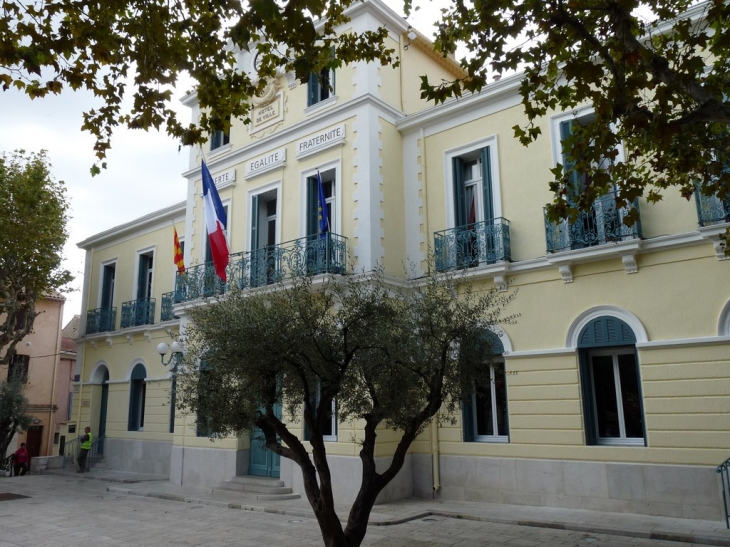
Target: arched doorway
point(103, 410)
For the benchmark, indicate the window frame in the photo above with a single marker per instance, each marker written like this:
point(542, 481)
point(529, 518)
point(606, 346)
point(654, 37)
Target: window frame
point(496, 437)
point(315, 88)
point(19, 360)
point(252, 198)
point(622, 439)
point(334, 424)
point(467, 150)
point(336, 217)
point(100, 296)
point(220, 140)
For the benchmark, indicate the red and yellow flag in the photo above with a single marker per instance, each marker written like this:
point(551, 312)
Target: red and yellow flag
point(178, 255)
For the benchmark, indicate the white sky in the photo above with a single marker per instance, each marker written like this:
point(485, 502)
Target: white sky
point(144, 168)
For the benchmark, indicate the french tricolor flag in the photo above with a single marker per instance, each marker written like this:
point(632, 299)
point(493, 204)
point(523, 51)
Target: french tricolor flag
point(215, 222)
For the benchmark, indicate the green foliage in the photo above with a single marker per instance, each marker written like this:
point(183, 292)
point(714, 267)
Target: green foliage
point(13, 411)
point(387, 353)
point(656, 76)
point(108, 47)
point(33, 232)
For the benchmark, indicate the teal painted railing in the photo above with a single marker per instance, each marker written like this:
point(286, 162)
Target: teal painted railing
point(601, 225)
point(471, 245)
point(724, 470)
point(101, 320)
point(166, 313)
point(305, 256)
point(138, 312)
point(711, 209)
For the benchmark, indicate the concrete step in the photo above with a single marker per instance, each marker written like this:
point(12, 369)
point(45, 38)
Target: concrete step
point(255, 488)
point(253, 479)
point(254, 496)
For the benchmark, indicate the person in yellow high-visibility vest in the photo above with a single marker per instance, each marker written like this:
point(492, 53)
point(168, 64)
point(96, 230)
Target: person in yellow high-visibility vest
point(86, 441)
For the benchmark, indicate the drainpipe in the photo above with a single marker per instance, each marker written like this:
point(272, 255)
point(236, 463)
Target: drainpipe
point(56, 359)
point(435, 456)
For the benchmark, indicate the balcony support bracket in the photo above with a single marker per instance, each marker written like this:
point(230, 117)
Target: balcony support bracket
point(712, 233)
point(630, 265)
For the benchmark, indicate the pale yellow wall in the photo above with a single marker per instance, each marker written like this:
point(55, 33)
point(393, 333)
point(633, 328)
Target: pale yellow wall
point(125, 253)
point(393, 223)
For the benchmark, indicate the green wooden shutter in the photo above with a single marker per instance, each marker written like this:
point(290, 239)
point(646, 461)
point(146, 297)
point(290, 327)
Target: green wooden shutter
point(254, 223)
point(142, 277)
point(312, 89)
point(574, 185)
point(487, 185)
point(467, 416)
point(312, 206)
point(108, 286)
point(586, 382)
point(460, 207)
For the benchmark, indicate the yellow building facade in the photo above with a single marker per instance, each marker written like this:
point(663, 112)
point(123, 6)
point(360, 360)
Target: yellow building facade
point(615, 390)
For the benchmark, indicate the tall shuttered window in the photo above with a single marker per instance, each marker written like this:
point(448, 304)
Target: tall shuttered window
point(611, 385)
point(137, 396)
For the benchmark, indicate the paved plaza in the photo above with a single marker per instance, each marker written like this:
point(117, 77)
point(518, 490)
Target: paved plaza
point(77, 511)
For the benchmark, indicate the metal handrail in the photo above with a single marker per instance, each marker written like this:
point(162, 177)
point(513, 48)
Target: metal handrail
point(473, 244)
point(724, 470)
point(96, 454)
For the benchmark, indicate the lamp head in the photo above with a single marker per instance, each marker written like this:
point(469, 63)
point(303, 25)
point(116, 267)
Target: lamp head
point(163, 348)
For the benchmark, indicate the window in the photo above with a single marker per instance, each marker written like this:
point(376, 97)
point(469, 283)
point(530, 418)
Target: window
point(18, 365)
point(325, 250)
point(603, 223)
point(321, 86)
point(329, 430)
point(143, 308)
point(107, 286)
point(220, 138)
point(476, 236)
point(205, 389)
point(610, 381)
point(137, 395)
point(265, 267)
point(485, 411)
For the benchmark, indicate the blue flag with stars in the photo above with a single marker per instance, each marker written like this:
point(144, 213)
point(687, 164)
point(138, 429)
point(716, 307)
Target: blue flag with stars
point(324, 221)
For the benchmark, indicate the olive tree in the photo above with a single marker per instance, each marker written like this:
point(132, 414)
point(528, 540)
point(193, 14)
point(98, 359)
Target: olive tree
point(388, 355)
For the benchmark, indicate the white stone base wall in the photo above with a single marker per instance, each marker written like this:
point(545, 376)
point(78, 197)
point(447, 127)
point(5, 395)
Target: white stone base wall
point(669, 490)
point(347, 475)
point(206, 467)
point(131, 456)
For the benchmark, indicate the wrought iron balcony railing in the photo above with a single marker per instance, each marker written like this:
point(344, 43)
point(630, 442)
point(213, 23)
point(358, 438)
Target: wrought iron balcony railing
point(138, 312)
point(305, 256)
point(473, 244)
point(166, 313)
point(711, 209)
point(601, 225)
point(101, 320)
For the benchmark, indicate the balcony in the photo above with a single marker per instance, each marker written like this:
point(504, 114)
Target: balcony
point(101, 320)
point(601, 225)
point(473, 244)
point(311, 255)
point(138, 312)
point(711, 209)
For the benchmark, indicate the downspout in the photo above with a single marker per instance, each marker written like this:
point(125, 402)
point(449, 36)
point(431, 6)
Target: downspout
point(435, 456)
point(424, 182)
point(56, 359)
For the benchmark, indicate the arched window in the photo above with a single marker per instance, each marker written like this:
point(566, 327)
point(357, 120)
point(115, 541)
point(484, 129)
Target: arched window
point(137, 393)
point(485, 410)
point(612, 401)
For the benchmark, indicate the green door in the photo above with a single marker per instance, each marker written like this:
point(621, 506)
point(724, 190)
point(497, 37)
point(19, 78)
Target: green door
point(262, 461)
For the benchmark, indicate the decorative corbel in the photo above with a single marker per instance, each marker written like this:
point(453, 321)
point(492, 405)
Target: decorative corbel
point(566, 273)
point(148, 336)
point(501, 282)
point(630, 264)
point(108, 341)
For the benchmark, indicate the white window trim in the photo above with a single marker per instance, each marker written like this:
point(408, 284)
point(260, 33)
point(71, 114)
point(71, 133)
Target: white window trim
point(336, 206)
point(463, 150)
point(333, 418)
point(277, 185)
point(555, 122)
point(613, 441)
point(135, 277)
point(101, 281)
point(489, 438)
